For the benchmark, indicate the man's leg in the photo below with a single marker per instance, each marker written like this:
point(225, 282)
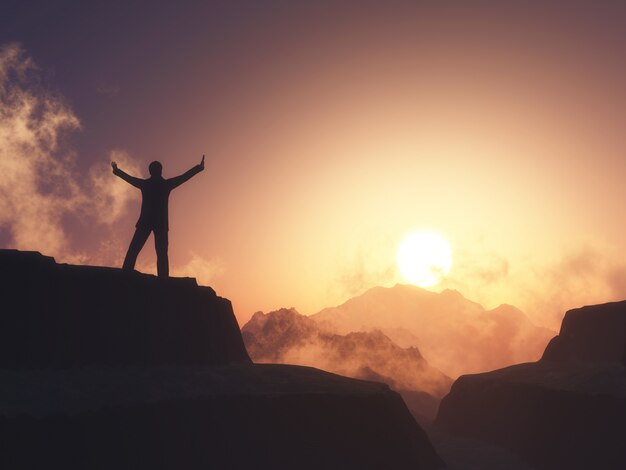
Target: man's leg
point(160, 244)
point(136, 244)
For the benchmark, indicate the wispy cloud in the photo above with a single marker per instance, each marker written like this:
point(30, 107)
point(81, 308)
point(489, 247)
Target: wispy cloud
point(108, 89)
point(582, 276)
point(204, 270)
point(545, 289)
point(39, 179)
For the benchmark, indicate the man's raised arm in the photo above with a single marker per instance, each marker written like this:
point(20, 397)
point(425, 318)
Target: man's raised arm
point(178, 180)
point(136, 182)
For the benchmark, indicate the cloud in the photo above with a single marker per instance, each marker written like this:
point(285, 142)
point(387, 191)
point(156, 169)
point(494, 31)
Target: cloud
point(584, 274)
point(44, 199)
point(479, 275)
point(110, 197)
point(107, 89)
point(367, 264)
point(363, 274)
point(204, 270)
point(493, 269)
point(39, 180)
point(616, 277)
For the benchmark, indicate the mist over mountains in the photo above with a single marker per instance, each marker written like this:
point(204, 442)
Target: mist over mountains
point(369, 355)
point(454, 334)
point(285, 336)
point(407, 337)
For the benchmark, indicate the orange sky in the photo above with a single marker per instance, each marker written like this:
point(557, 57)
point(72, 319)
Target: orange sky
point(332, 133)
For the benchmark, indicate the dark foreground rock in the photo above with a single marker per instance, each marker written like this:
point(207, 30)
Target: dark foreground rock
point(60, 315)
point(102, 369)
point(235, 417)
point(593, 333)
point(566, 411)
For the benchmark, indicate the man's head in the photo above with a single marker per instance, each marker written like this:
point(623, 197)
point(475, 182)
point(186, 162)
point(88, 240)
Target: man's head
point(155, 168)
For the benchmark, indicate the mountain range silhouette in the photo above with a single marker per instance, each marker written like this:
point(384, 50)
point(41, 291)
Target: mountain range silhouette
point(564, 411)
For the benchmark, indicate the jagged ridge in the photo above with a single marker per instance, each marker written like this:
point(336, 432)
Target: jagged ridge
point(285, 336)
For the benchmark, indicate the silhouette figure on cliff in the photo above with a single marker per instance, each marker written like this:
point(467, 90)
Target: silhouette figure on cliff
point(155, 192)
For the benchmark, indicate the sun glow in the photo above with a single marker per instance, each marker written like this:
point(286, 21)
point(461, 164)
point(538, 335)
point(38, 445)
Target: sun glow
point(424, 258)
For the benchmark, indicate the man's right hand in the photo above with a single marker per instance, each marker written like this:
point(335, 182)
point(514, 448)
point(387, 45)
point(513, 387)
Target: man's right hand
point(114, 165)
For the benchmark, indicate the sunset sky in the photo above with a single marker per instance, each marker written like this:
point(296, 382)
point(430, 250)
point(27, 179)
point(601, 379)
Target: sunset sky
point(331, 130)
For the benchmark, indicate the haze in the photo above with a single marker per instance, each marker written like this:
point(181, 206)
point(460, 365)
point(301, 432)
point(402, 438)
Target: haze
point(330, 132)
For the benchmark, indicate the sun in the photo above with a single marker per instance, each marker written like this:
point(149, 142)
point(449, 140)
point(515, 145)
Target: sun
point(424, 258)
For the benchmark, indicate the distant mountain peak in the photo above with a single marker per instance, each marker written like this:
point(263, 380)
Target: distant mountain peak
point(286, 336)
point(452, 292)
point(456, 335)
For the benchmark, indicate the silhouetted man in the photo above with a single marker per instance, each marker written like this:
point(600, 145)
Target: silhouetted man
point(155, 192)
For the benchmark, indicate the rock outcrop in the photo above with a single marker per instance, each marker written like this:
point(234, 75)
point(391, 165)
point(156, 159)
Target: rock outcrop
point(566, 411)
point(103, 369)
point(235, 417)
point(594, 333)
point(285, 336)
point(60, 315)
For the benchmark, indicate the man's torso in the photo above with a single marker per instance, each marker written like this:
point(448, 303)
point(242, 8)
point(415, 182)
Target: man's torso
point(154, 205)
